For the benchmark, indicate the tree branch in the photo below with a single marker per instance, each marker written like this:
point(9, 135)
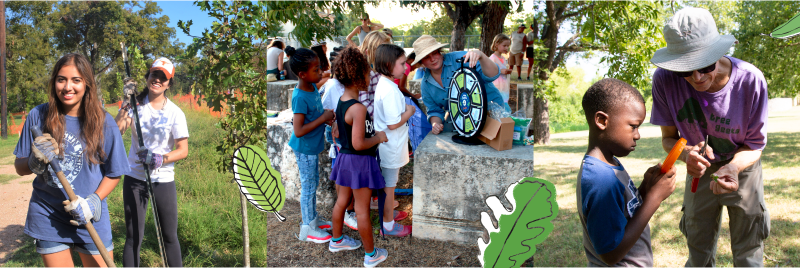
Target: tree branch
point(575, 13)
point(450, 11)
point(798, 44)
point(563, 53)
point(577, 48)
point(108, 66)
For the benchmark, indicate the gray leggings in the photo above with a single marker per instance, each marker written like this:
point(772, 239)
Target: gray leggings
point(135, 197)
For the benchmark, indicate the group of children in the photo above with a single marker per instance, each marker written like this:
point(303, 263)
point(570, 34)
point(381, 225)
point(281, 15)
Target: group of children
point(88, 143)
point(368, 116)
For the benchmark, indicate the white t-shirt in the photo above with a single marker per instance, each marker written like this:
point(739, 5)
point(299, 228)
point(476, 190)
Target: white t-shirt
point(272, 58)
point(160, 129)
point(516, 42)
point(333, 92)
point(389, 107)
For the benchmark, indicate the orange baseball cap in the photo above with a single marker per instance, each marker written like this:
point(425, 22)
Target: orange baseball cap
point(164, 65)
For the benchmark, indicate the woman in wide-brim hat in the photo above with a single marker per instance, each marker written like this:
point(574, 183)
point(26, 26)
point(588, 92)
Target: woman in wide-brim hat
point(702, 95)
point(440, 68)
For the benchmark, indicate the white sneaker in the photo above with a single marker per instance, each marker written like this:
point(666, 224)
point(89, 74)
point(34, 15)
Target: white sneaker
point(323, 224)
point(313, 234)
point(350, 220)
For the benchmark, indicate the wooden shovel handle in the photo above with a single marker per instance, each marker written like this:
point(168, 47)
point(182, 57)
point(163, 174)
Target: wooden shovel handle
point(72, 198)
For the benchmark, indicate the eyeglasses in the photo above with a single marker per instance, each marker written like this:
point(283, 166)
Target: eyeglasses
point(705, 70)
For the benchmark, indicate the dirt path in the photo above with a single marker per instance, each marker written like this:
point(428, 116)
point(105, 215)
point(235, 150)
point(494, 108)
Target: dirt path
point(14, 196)
point(285, 250)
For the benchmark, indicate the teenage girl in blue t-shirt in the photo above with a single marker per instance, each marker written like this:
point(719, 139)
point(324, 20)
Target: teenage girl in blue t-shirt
point(92, 156)
point(307, 141)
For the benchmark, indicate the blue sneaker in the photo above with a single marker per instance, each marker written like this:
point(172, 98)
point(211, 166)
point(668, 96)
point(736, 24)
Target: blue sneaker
point(398, 230)
point(380, 256)
point(346, 243)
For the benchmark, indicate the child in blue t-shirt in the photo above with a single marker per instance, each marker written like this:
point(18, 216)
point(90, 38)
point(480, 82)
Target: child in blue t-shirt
point(307, 141)
point(613, 211)
point(92, 157)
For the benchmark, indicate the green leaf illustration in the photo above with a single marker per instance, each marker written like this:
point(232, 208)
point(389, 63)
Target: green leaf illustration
point(521, 229)
point(258, 181)
point(788, 29)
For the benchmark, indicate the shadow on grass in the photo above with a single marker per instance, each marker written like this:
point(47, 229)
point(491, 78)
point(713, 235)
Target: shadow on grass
point(781, 151)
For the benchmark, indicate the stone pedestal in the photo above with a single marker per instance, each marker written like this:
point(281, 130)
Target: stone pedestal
point(452, 182)
point(284, 161)
point(526, 101)
point(279, 94)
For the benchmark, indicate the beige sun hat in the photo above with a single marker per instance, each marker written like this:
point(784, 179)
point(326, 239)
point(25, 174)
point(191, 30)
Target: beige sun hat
point(425, 45)
point(693, 41)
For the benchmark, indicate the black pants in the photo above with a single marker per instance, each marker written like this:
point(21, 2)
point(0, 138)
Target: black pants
point(135, 197)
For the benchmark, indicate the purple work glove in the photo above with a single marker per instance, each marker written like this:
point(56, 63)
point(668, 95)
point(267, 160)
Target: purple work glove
point(152, 160)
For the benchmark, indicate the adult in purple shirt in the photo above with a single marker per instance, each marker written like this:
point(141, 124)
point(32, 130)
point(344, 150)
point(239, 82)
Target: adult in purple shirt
point(699, 92)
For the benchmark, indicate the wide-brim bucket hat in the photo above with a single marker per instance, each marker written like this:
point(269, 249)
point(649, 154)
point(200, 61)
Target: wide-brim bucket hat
point(425, 45)
point(693, 41)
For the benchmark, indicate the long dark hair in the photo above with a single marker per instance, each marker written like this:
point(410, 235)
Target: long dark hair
point(146, 90)
point(277, 43)
point(91, 115)
point(323, 60)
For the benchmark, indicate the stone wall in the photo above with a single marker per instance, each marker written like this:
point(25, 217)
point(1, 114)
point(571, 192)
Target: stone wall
point(279, 94)
point(284, 161)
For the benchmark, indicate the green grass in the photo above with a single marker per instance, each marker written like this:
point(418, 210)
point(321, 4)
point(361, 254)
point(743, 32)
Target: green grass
point(6, 178)
point(209, 217)
point(560, 161)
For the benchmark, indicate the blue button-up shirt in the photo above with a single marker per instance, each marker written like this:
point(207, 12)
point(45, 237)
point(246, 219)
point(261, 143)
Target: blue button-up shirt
point(435, 96)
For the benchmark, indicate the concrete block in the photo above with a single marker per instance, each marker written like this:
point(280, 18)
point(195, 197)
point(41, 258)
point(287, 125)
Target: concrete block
point(452, 182)
point(279, 94)
point(284, 161)
point(526, 101)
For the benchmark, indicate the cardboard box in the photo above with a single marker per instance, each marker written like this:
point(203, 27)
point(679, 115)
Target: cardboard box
point(498, 134)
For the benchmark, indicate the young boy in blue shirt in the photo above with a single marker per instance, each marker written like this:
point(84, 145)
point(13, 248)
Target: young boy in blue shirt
point(613, 211)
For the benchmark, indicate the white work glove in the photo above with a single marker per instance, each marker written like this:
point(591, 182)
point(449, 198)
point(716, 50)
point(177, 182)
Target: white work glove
point(84, 210)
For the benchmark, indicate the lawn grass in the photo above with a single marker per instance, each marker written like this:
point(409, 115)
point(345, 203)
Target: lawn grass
point(560, 161)
point(210, 222)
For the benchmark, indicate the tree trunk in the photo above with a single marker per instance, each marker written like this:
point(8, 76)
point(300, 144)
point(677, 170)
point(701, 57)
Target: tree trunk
point(463, 14)
point(492, 24)
point(4, 127)
point(541, 117)
point(99, 91)
point(541, 120)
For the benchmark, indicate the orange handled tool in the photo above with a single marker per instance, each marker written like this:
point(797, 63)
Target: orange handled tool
point(673, 155)
point(696, 180)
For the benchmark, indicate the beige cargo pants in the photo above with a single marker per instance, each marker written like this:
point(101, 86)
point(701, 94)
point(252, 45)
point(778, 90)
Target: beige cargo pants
point(749, 219)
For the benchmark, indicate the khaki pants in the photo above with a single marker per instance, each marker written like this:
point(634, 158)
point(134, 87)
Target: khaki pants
point(749, 219)
point(515, 59)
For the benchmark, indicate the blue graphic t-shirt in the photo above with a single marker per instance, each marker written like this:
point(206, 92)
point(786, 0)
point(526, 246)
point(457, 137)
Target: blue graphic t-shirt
point(310, 104)
point(46, 218)
point(607, 199)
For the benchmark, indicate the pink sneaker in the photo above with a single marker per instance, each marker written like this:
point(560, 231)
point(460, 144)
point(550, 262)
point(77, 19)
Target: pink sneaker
point(400, 215)
point(398, 230)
